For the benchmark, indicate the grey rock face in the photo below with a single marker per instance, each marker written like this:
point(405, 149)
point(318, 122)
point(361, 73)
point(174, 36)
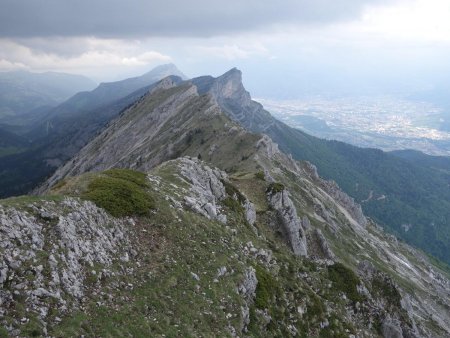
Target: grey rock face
point(127, 142)
point(366, 268)
point(232, 97)
point(306, 223)
point(346, 201)
point(248, 286)
point(206, 188)
point(292, 226)
point(391, 328)
point(323, 244)
point(250, 212)
point(247, 289)
point(45, 259)
point(270, 147)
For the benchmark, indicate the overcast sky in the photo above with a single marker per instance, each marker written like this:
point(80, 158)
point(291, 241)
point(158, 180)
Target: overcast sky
point(281, 46)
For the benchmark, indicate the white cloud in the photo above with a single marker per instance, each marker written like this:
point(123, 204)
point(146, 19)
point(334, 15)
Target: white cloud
point(94, 57)
point(409, 21)
point(232, 51)
point(6, 65)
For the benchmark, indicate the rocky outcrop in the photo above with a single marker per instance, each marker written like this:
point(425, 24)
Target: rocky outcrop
point(391, 328)
point(247, 290)
point(291, 224)
point(270, 147)
point(250, 212)
point(323, 245)
point(48, 252)
point(345, 200)
point(248, 286)
point(332, 189)
point(206, 188)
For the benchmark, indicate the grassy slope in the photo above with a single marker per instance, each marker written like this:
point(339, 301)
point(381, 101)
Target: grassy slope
point(161, 297)
point(415, 194)
point(167, 300)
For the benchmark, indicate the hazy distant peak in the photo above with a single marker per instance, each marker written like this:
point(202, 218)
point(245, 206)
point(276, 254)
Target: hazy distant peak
point(235, 72)
point(164, 71)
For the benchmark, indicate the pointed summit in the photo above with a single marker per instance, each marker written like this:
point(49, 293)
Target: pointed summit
point(230, 94)
point(229, 85)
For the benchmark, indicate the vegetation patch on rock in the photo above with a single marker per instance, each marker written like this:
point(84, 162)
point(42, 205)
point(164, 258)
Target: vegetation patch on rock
point(265, 289)
point(345, 280)
point(121, 192)
point(274, 188)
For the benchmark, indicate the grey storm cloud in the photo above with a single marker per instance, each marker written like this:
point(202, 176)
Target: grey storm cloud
point(138, 18)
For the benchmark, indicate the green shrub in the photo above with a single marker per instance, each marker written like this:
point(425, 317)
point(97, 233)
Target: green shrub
point(3, 332)
point(233, 192)
point(385, 288)
point(233, 204)
point(345, 280)
point(274, 188)
point(265, 288)
point(260, 175)
point(315, 307)
point(121, 192)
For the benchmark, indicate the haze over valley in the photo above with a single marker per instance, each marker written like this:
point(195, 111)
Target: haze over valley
point(374, 122)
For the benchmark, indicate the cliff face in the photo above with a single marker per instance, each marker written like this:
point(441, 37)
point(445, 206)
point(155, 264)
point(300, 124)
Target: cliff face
point(235, 101)
point(240, 238)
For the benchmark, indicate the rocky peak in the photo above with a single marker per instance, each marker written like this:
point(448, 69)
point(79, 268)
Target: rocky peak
point(234, 100)
point(229, 86)
point(164, 71)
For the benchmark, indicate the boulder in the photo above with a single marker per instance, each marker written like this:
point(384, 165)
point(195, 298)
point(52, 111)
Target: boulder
point(291, 224)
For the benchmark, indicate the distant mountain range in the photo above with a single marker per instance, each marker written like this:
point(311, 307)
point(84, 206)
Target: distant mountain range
point(58, 133)
point(409, 198)
point(21, 91)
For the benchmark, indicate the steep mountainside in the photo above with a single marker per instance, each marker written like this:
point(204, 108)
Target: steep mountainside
point(441, 163)
point(84, 104)
point(411, 200)
point(260, 246)
point(10, 143)
point(21, 91)
point(67, 128)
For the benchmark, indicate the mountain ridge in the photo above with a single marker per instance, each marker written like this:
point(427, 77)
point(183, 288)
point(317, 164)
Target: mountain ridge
point(62, 131)
point(358, 171)
point(23, 91)
point(271, 210)
point(406, 196)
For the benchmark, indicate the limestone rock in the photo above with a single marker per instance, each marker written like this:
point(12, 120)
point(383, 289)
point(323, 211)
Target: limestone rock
point(248, 286)
point(46, 263)
point(270, 147)
point(250, 212)
point(292, 227)
point(306, 224)
point(206, 188)
point(323, 244)
point(247, 289)
point(391, 328)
